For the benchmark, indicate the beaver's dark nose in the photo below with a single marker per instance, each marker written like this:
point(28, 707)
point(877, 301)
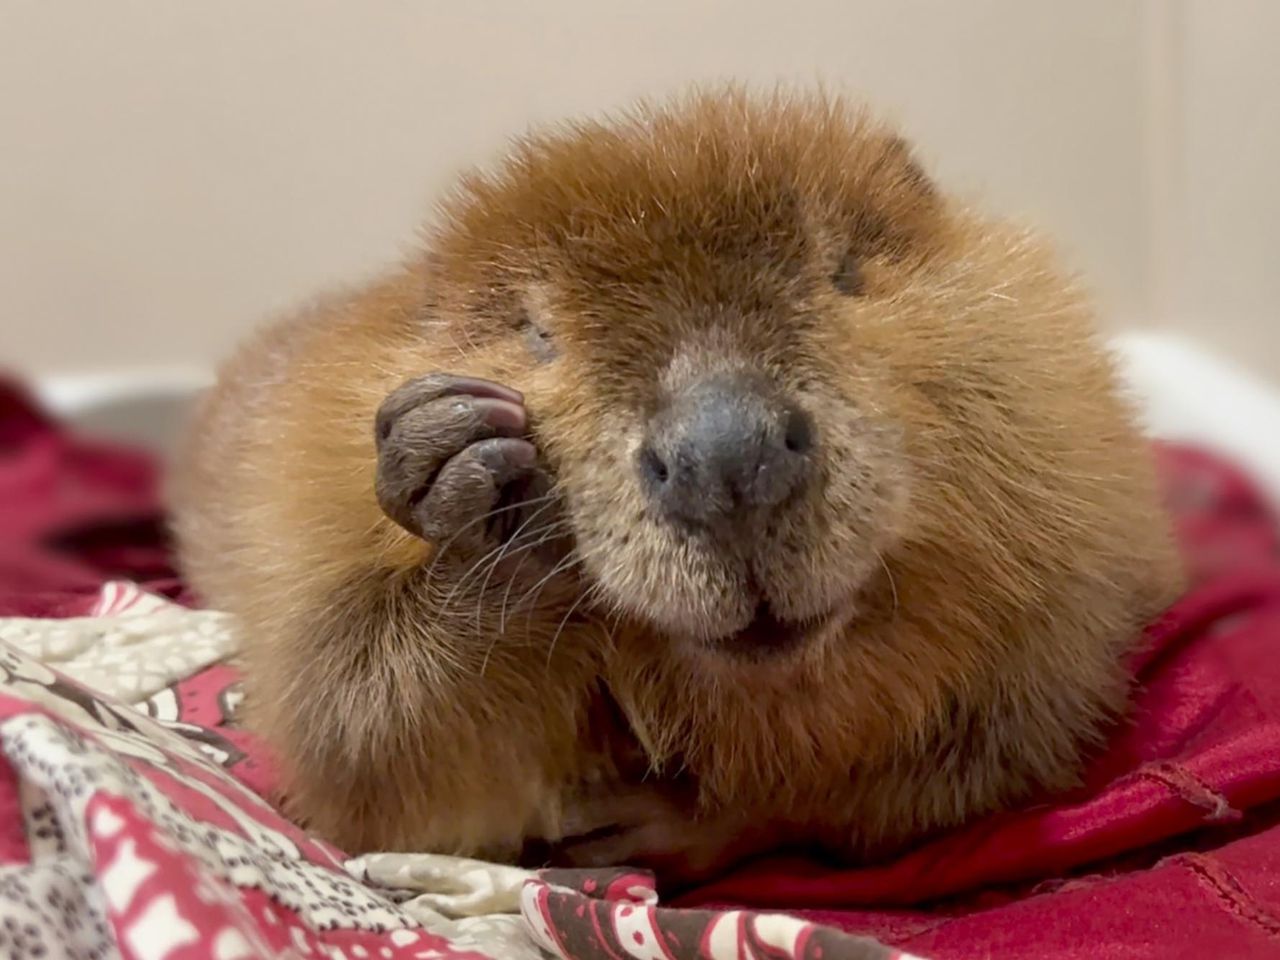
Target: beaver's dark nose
point(728, 447)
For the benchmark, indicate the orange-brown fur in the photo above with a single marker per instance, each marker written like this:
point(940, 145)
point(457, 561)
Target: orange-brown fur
point(983, 549)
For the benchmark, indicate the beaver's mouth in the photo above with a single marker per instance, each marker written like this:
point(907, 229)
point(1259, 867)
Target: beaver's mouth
point(766, 637)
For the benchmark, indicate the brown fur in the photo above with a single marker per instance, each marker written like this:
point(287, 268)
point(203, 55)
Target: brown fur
point(982, 549)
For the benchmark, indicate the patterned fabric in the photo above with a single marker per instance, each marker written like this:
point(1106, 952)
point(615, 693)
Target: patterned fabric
point(144, 833)
point(604, 915)
point(139, 846)
point(130, 646)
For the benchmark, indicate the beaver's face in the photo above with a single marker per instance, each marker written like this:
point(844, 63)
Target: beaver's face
point(691, 299)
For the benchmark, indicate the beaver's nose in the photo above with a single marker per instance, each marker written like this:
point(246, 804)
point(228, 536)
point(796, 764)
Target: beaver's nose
point(729, 446)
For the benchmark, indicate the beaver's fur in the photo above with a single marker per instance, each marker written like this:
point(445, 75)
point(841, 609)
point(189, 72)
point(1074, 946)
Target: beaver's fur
point(982, 547)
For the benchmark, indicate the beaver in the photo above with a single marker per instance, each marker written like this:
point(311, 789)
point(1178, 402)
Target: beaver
point(708, 481)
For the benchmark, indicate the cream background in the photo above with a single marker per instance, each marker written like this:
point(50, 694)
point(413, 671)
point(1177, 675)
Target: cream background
point(172, 172)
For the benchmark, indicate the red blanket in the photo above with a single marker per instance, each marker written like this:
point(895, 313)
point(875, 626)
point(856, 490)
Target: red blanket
point(73, 514)
point(1172, 848)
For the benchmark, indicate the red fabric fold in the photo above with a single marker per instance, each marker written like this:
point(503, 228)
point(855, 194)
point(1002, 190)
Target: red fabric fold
point(73, 514)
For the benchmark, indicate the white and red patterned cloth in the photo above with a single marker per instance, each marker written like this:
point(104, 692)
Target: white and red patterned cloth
point(140, 831)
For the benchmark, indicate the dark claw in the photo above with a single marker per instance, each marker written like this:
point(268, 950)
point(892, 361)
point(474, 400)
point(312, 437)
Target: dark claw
point(506, 458)
point(434, 386)
point(503, 415)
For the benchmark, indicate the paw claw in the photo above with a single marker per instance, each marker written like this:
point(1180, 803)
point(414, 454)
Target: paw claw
point(502, 415)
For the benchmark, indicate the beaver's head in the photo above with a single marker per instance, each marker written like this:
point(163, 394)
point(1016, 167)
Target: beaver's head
point(734, 319)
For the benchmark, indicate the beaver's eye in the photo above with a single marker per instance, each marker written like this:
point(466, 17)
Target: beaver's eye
point(847, 277)
point(538, 337)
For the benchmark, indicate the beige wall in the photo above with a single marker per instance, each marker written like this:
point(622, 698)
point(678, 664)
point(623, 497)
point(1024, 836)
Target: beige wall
point(1226, 281)
point(172, 171)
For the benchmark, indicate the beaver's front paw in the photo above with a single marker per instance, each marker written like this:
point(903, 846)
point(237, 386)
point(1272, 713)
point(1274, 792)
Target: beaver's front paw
point(653, 827)
point(454, 464)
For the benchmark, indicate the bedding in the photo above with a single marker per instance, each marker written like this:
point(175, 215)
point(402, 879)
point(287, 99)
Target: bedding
point(138, 818)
